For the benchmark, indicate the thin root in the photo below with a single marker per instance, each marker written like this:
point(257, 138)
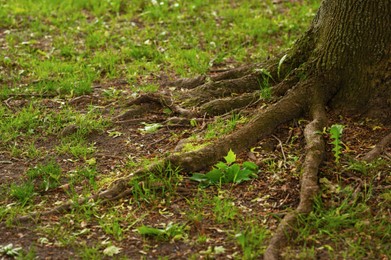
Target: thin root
point(378, 150)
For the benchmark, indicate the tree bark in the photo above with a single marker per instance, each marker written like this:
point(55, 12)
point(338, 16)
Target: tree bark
point(353, 46)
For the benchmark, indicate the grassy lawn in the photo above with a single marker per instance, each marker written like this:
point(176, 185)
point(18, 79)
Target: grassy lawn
point(68, 67)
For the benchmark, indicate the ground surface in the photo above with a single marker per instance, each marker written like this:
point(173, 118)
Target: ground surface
point(63, 80)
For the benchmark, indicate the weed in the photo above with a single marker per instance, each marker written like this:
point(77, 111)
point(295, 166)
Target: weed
point(152, 186)
point(89, 252)
point(335, 134)
point(76, 146)
point(10, 250)
point(251, 240)
point(23, 123)
point(112, 226)
point(48, 174)
point(32, 151)
point(85, 211)
point(337, 223)
point(30, 254)
point(228, 172)
point(222, 127)
point(171, 231)
point(23, 192)
point(364, 167)
point(85, 173)
point(197, 206)
point(202, 239)
point(265, 84)
point(224, 210)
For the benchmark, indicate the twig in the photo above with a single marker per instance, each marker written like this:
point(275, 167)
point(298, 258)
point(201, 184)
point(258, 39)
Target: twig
point(6, 102)
point(282, 149)
point(6, 162)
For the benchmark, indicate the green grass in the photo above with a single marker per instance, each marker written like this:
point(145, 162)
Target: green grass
point(350, 223)
point(23, 192)
point(48, 175)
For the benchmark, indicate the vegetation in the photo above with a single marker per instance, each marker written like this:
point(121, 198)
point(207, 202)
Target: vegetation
point(68, 72)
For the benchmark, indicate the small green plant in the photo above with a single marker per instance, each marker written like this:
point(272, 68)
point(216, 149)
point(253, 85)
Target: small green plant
point(150, 128)
point(221, 127)
point(171, 231)
point(88, 252)
point(10, 250)
point(23, 192)
point(224, 209)
point(251, 241)
point(156, 185)
point(335, 134)
point(112, 226)
point(227, 172)
point(265, 84)
point(49, 174)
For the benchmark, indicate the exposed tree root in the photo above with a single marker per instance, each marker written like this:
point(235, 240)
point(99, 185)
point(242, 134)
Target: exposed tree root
point(378, 149)
point(293, 103)
point(117, 190)
point(309, 181)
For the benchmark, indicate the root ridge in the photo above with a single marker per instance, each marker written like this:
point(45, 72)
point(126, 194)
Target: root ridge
point(309, 181)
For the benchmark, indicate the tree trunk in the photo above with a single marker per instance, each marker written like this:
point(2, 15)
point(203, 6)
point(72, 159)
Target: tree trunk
point(351, 41)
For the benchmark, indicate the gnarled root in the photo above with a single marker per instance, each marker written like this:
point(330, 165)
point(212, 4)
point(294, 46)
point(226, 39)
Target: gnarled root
point(293, 104)
point(309, 182)
point(265, 121)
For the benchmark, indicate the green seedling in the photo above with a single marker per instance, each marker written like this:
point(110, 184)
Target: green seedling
point(171, 231)
point(10, 250)
point(23, 192)
point(156, 185)
point(335, 134)
point(227, 172)
point(224, 210)
point(150, 128)
point(49, 175)
point(251, 241)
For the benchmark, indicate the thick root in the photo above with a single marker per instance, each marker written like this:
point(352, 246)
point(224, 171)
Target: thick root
point(224, 88)
point(309, 182)
point(263, 124)
point(222, 106)
point(288, 108)
point(292, 105)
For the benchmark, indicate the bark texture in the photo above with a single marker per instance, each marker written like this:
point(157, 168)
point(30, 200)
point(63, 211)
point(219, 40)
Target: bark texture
point(353, 46)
